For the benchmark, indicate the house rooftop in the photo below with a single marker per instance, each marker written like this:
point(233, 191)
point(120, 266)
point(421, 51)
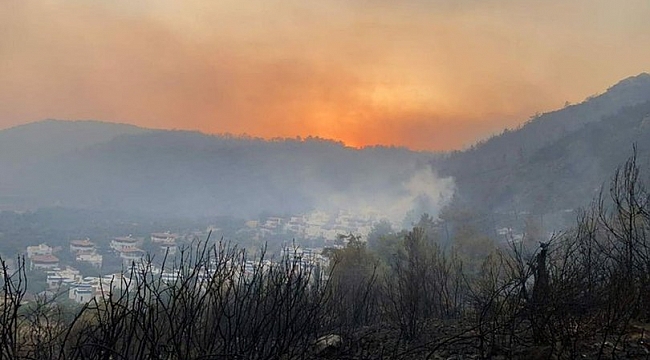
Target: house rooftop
point(85, 242)
point(45, 259)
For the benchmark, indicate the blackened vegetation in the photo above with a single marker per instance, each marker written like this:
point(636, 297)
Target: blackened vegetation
point(214, 307)
point(582, 294)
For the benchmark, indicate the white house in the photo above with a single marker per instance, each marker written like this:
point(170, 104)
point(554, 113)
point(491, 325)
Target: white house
point(125, 242)
point(131, 254)
point(95, 260)
point(44, 262)
point(38, 250)
point(163, 238)
point(82, 247)
point(81, 293)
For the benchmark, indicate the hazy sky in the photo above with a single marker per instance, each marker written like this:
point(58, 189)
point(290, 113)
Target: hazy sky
point(435, 74)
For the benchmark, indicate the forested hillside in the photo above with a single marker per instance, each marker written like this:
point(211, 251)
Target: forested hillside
point(51, 138)
point(557, 160)
point(189, 173)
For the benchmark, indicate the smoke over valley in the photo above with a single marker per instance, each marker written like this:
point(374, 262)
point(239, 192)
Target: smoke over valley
point(172, 173)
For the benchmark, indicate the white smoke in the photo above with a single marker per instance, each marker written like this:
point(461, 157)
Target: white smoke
point(425, 193)
point(420, 191)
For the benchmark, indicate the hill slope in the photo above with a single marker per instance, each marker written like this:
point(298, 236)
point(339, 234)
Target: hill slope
point(189, 173)
point(27, 147)
point(558, 160)
point(50, 138)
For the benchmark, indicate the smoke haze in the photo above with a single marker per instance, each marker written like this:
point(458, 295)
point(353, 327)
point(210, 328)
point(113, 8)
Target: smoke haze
point(427, 75)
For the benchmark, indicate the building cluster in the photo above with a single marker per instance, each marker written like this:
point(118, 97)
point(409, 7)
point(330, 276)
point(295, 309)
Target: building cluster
point(81, 289)
point(315, 225)
point(308, 260)
point(131, 250)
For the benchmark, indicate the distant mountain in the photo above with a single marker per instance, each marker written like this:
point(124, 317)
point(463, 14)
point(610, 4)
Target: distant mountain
point(26, 147)
point(557, 160)
point(50, 138)
point(189, 173)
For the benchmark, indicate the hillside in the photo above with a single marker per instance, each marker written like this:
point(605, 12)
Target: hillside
point(28, 147)
point(51, 138)
point(557, 160)
point(512, 146)
point(189, 173)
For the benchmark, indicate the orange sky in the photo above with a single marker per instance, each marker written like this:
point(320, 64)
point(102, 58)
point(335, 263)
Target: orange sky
point(436, 74)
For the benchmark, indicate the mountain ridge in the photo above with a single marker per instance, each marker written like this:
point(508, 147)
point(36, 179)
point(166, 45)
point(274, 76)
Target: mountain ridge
point(52, 137)
point(543, 166)
point(556, 160)
point(191, 173)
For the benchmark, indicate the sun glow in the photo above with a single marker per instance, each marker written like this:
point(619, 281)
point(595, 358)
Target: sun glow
point(428, 75)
